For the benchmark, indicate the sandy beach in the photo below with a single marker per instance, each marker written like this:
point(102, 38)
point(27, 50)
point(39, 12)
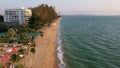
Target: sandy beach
point(45, 56)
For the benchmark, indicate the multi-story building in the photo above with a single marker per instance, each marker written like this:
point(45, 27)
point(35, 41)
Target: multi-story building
point(15, 17)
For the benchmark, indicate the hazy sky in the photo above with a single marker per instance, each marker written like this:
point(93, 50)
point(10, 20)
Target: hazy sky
point(107, 7)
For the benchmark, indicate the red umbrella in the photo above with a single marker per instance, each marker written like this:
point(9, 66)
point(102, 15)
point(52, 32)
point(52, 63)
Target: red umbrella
point(13, 50)
point(6, 56)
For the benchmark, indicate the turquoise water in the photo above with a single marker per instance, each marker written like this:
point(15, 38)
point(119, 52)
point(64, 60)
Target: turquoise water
point(3, 34)
point(90, 41)
point(33, 34)
point(27, 34)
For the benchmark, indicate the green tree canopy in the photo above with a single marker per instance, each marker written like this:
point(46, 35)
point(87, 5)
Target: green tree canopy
point(1, 18)
point(3, 28)
point(42, 15)
point(11, 33)
point(32, 50)
point(15, 58)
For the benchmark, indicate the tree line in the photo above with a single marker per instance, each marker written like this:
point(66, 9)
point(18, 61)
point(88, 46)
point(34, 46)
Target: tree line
point(42, 16)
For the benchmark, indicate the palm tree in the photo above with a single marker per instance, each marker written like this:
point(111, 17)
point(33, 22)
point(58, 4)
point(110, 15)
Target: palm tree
point(41, 34)
point(4, 39)
point(3, 27)
point(33, 52)
point(22, 51)
point(24, 39)
point(15, 58)
point(11, 33)
point(33, 44)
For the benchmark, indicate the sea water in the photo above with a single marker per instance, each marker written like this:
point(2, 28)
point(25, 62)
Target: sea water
point(89, 42)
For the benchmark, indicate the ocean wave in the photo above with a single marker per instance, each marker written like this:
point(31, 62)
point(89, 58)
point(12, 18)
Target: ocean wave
point(59, 51)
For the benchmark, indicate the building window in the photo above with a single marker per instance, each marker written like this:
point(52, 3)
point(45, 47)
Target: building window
point(6, 12)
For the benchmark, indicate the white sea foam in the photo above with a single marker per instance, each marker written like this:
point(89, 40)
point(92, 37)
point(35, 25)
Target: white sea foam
point(59, 51)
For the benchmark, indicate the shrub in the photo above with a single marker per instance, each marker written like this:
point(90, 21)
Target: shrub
point(20, 66)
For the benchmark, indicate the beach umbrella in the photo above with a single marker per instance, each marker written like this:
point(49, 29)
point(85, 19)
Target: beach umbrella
point(13, 50)
point(6, 56)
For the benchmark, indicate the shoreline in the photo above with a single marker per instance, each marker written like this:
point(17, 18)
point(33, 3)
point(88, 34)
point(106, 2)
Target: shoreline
point(46, 49)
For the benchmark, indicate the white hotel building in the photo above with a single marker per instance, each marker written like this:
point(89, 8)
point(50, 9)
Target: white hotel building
point(15, 17)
